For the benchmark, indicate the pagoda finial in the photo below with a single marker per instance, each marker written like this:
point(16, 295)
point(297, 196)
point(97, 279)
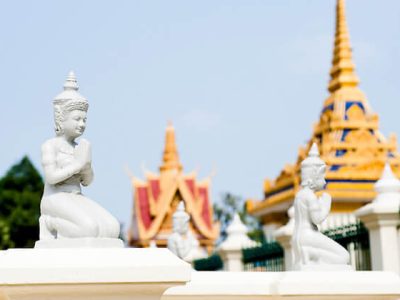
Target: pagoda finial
point(170, 156)
point(342, 71)
point(388, 183)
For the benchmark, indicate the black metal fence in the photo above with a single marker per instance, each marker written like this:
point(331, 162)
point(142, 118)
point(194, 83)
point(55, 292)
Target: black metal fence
point(211, 263)
point(355, 238)
point(270, 256)
point(267, 257)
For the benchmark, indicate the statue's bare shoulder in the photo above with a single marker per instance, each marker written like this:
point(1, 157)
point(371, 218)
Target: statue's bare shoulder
point(51, 144)
point(49, 149)
point(305, 195)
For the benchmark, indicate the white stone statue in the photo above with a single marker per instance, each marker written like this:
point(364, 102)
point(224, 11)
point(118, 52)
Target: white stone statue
point(312, 249)
point(182, 242)
point(66, 214)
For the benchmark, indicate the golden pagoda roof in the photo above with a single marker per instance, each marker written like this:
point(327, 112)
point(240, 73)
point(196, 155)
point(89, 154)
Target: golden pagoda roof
point(348, 138)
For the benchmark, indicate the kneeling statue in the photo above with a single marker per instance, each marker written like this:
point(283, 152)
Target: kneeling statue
point(182, 242)
point(312, 249)
point(66, 214)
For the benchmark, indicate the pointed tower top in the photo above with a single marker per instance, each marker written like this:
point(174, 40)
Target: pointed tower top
point(237, 236)
point(388, 183)
point(236, 227)
point(71, 82)
point(170, 156)
point(342, 71)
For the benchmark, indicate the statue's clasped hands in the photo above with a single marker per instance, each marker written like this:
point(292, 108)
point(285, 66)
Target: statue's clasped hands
point(83, 155)
point(325, 197)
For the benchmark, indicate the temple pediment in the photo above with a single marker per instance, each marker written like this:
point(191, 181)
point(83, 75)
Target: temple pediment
point(156, 199)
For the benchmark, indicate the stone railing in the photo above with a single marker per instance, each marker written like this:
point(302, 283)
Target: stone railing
point(289, 285)
point(81, 274)
point(150, 274)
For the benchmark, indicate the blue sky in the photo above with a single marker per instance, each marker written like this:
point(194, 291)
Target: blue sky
point(242, 81)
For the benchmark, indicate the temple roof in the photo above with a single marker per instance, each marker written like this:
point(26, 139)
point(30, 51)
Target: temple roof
point(347, 136)
point(154, 197)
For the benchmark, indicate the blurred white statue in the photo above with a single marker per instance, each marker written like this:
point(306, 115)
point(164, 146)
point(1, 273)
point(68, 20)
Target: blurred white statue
point(65, 211)
point(182, 242)
point(312, 249)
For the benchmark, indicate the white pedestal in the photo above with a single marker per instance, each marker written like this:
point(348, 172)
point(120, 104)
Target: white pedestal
point(289, 285)
point(381, 217)
point(382, 222)
point(80, 243)
point(284, 239)
point(113, 273)
point(232, 260)
point(230, 250)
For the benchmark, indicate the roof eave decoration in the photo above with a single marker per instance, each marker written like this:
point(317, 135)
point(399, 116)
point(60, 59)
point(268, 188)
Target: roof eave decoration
point(194, 203)
point(154, 196)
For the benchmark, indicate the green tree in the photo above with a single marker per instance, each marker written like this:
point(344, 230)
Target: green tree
point(20, 193)
point(226, 209)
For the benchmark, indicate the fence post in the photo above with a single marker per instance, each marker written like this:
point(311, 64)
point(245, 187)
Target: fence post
point(381, 217)
point(283, 236)
point(231, 249)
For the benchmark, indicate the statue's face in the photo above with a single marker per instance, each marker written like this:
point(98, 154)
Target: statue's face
point(185, 227)
point(74, 123)
point(319, 183)
point(181, 226)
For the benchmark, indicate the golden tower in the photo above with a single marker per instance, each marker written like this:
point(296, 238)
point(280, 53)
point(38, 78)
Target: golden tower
point(348, 138)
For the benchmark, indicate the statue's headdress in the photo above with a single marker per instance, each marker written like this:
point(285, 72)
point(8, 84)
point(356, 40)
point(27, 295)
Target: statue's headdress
point(180, 213)
point(313, 162)
point(313, 158)
point(68, 100)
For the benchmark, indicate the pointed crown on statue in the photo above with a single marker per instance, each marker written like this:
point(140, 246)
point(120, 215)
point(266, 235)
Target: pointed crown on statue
point(312, 165)
point(180, 213)
point(70, 99)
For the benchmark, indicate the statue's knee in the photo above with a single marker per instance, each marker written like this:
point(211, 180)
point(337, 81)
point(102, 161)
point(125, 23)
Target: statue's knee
point(346, 256)
point(89, 228)
point(342, 254)
point(114, 227)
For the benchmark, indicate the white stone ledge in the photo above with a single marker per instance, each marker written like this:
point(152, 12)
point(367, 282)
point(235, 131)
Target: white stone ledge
point(293, 285)
point(111, 273)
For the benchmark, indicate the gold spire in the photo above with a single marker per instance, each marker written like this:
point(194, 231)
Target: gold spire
point(342, 71)
point(170, 156)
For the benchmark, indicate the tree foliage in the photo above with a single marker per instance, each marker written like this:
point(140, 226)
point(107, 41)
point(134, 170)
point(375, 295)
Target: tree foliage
point(225, 210)
point(20, 193)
